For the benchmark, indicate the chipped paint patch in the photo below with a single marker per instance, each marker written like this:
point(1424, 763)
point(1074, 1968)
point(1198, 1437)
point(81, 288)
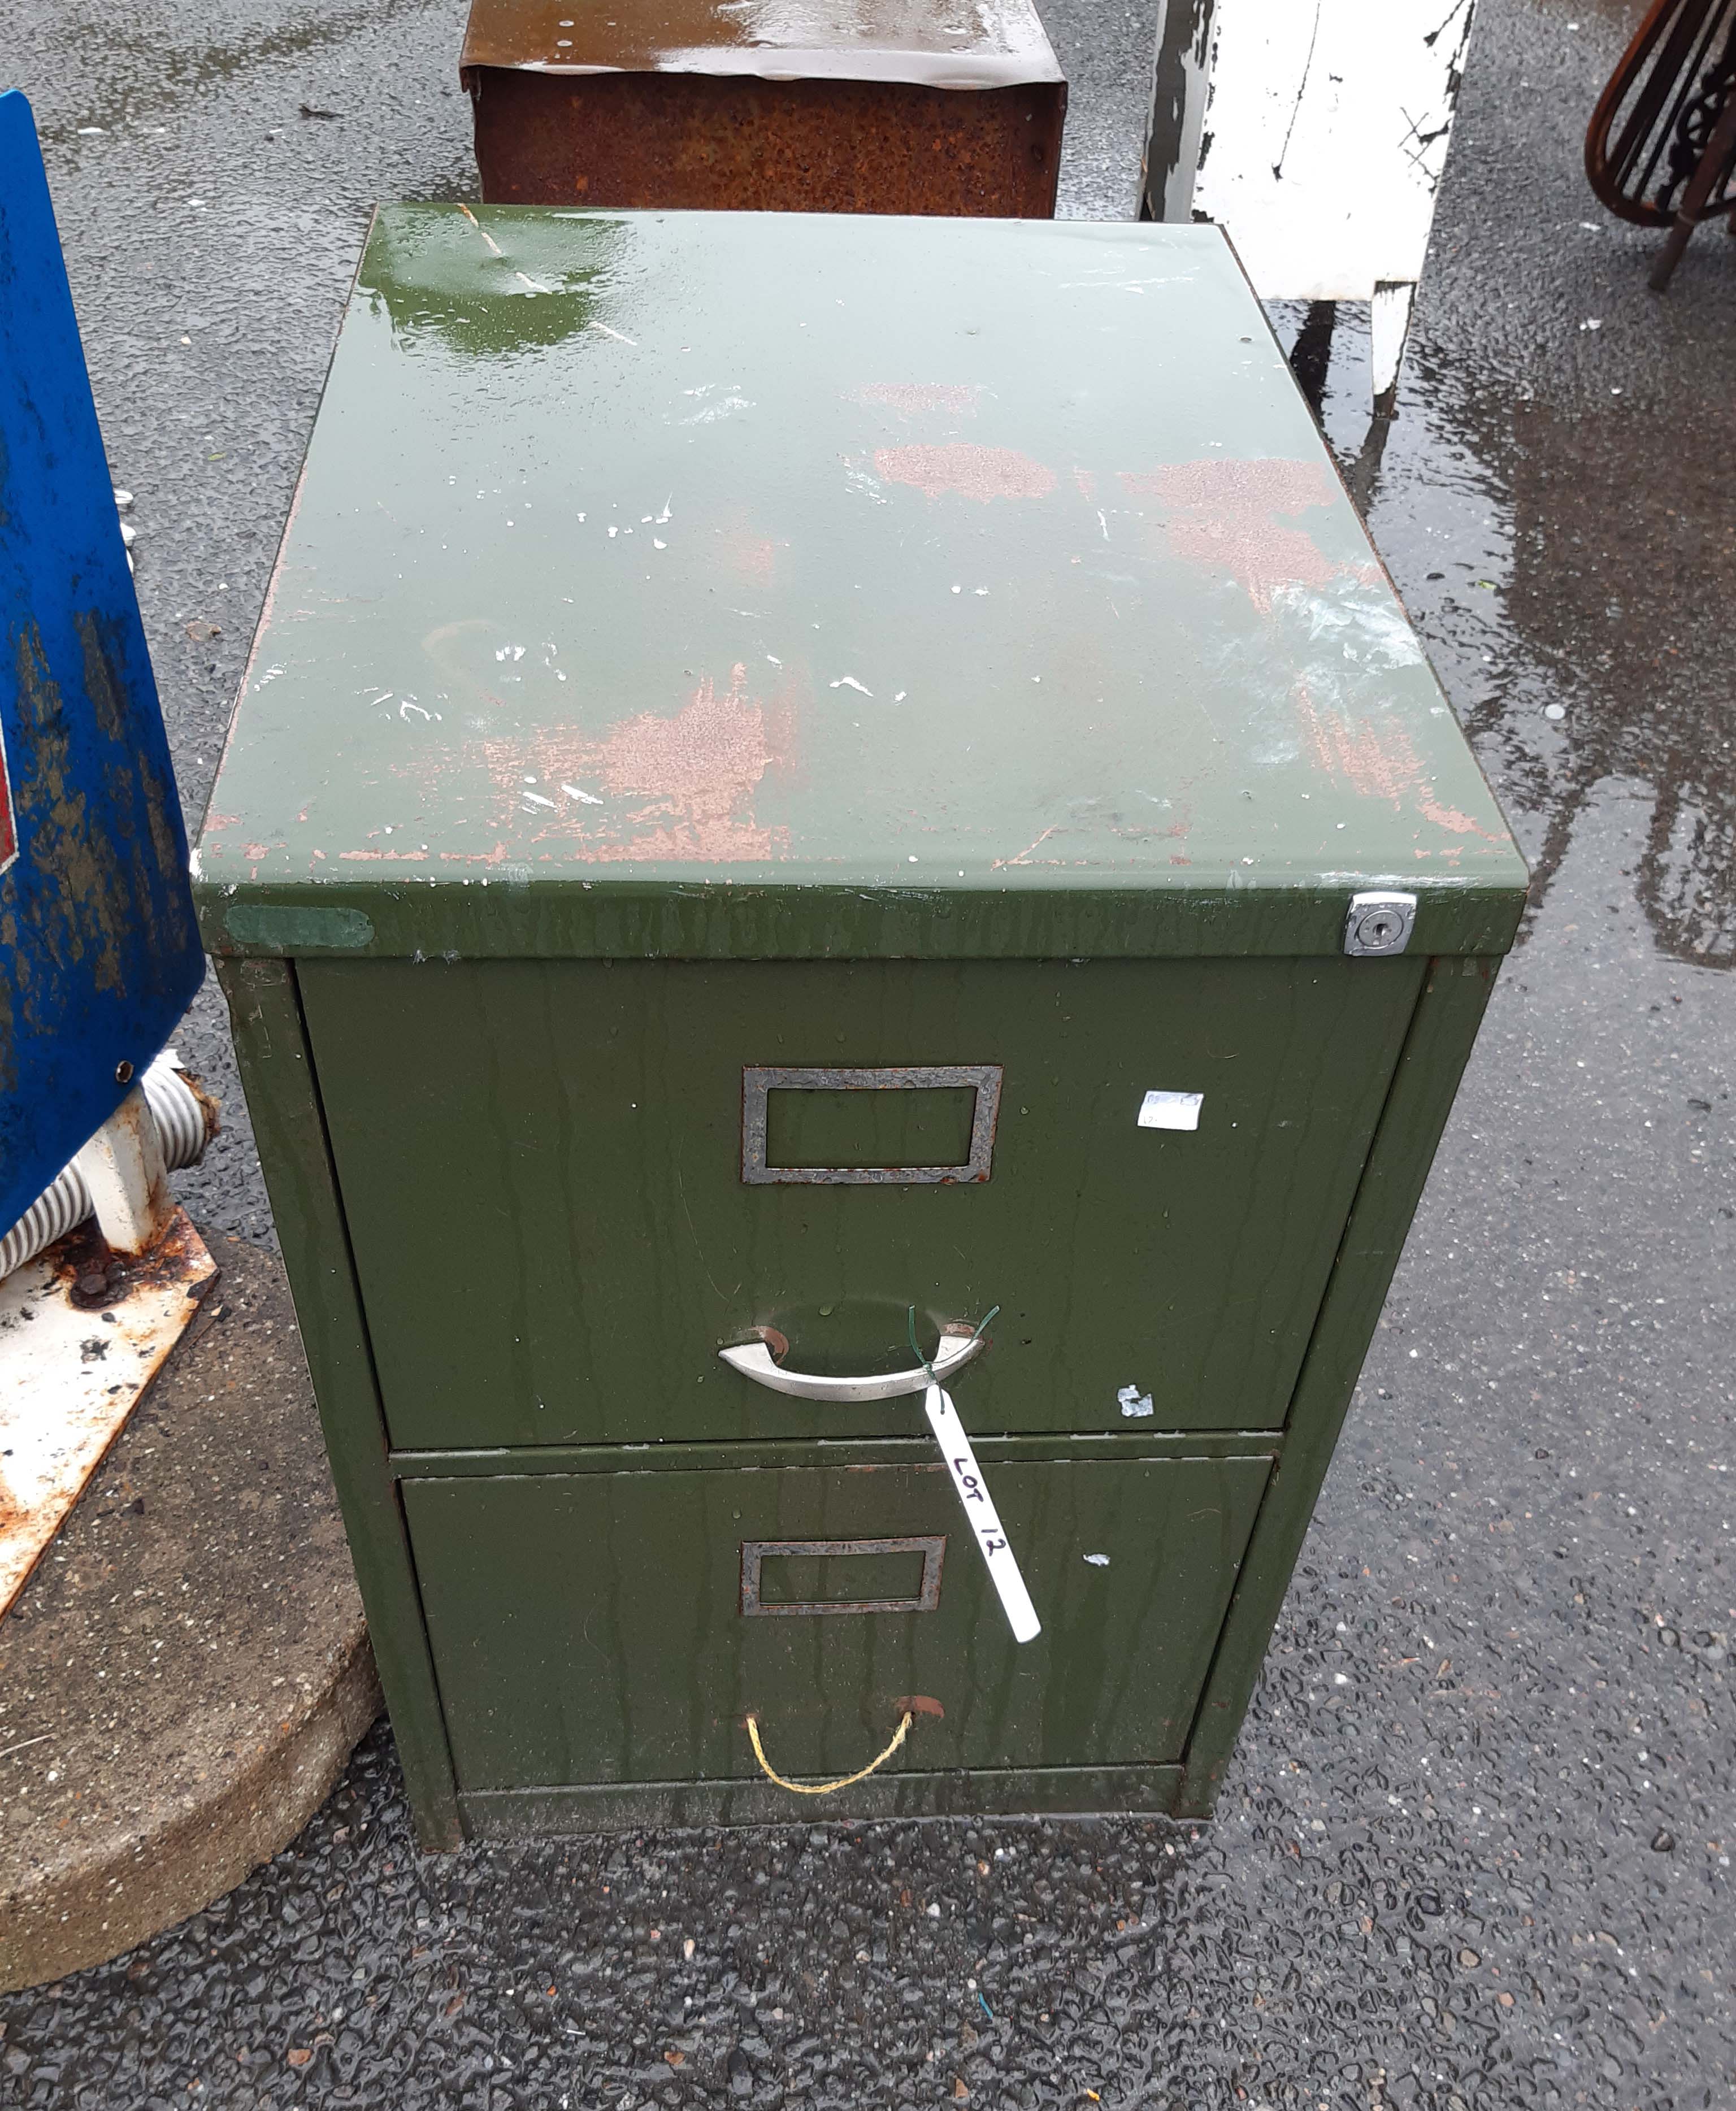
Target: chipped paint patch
point(749, 555)
point(1135, 1404)
point(1229, 516)
point(910, 398)
point(694, 777)
point(963, 470)
point(1024, 856)
point(1378, 761)
point(101, 885)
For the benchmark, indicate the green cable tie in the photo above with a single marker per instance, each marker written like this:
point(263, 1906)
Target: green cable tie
point(915, 1348)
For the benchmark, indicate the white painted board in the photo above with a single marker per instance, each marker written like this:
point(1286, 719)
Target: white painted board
point(1323, 136)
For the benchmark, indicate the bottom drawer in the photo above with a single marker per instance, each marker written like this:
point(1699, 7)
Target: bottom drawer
point(619, 1627)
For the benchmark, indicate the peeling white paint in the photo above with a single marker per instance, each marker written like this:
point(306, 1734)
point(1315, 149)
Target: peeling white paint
point(584, 798)
point(1135, 1404)
point(1097, 1560)
point(850, 682)
point(1316, 134)
point(1324, 136)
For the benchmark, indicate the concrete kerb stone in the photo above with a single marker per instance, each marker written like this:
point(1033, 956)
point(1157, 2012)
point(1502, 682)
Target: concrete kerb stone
point(186, 1673)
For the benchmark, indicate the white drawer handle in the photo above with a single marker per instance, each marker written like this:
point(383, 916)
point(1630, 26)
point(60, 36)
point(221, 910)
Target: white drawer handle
point(756, 1360)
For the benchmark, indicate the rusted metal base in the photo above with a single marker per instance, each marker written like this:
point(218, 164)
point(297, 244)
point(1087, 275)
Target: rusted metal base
point(82, 1333)
point(741, 143)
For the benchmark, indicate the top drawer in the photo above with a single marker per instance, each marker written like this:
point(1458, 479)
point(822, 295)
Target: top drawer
point(542, 1170)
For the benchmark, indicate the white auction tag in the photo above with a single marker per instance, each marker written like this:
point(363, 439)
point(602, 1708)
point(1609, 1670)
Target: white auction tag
point(973, 1493)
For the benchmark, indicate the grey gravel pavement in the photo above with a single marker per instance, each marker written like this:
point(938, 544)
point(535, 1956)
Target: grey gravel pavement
point(1475, 1850)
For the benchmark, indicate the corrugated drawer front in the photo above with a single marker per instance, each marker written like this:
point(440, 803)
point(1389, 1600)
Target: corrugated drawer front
point(619, 1627)
point(569, 1183)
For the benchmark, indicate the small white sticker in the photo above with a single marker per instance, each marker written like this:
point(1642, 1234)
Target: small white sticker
point(1098, 1560)
point(1135, 1403)
point(1170, 1110)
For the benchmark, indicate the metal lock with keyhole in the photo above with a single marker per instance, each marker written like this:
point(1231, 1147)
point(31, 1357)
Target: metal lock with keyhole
point(1379, 924)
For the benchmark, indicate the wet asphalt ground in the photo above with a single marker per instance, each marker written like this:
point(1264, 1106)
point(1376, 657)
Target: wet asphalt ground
point(1475, 1850)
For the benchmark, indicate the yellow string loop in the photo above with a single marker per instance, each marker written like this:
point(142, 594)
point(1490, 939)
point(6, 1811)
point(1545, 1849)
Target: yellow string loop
point(825, 1788)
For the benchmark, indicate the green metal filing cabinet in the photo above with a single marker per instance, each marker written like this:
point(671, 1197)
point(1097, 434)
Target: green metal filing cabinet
point(795, 769)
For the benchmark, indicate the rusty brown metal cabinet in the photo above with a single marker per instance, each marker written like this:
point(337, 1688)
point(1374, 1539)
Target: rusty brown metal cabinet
point(882, 806)
point(935, 107)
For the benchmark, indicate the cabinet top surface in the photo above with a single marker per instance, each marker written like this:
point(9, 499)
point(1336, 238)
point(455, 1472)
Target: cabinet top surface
point(897, 558)
point(933, 44)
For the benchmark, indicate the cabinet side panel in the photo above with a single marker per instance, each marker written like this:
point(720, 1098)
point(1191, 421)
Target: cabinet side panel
point(1436, 1050)
point(283, 1099)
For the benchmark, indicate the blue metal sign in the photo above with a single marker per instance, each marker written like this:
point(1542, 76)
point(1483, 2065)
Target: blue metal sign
point(99, 955)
